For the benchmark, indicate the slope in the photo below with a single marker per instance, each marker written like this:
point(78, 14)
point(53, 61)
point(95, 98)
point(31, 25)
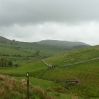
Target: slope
point(85, 71)
point(74, 56)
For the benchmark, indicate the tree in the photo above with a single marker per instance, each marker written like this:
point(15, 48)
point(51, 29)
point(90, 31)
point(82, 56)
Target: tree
point(4, 62)
point(37, 52)
point(16, 65)
point(10, 63)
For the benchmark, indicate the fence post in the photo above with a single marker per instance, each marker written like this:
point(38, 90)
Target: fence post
point(27, 85)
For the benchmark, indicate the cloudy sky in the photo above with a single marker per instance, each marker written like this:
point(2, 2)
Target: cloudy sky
point(35, 20)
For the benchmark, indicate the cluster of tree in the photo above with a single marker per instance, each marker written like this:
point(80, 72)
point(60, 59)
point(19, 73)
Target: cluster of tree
point(1, 54)
point(5, 62)
point(13, 42)
point(17, 55)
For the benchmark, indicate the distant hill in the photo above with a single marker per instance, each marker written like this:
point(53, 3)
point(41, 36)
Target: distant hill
point(45, 47)
point(50, 42)
point(3, 39)
point(63, 43)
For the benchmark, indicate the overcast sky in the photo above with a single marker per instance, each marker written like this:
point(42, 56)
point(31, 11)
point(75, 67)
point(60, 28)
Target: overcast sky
point(35, 20)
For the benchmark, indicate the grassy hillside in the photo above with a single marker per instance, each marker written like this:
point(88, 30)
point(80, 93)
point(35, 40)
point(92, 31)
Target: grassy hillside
point(74, 56)
point(31, 48)
point(87, 74)
point(79, 64)
point(86, 71)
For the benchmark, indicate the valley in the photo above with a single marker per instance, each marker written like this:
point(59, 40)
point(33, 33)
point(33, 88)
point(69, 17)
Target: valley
point(52, 69)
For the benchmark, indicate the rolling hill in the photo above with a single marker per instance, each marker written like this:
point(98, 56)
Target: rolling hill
point(85, 71)
point(73, 56)
point(57, 72)
point(46, 48)
point(81, 65)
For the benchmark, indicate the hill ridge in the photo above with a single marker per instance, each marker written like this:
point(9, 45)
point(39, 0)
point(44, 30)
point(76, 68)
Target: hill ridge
point(61, 43)
point(50, 42)
point(3, 39)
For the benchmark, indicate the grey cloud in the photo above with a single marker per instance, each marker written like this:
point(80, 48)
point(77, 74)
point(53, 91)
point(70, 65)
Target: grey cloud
point(35, 20)
point(38, 11)
point(87, 32)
